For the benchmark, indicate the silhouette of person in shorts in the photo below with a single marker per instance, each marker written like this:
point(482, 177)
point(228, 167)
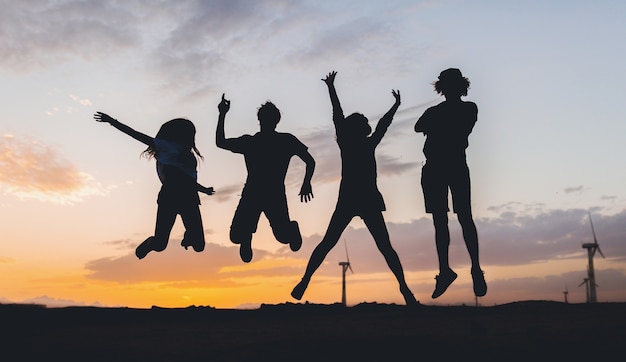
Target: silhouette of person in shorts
point(267, 155)
point(358, 192)
point(447, 127)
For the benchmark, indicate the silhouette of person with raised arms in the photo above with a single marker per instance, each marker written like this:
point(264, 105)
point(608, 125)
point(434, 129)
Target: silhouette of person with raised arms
point(447, 127)
point(267, 155)
point(358, 192)
point(175, 152)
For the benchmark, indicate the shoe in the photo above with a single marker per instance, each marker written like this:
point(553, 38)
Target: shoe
point(480, 286)
point(298, 290)
point(443, 282)
point(144, 248)
point(245, 251)
point(296, 242)
point(197, 247)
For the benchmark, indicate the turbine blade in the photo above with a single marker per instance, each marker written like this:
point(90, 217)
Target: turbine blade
point(346, 245)
point(600, 251)
point(593, 231)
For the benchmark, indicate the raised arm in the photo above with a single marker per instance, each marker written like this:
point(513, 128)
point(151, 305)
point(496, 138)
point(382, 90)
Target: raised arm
point(306, 191)
point(105, 118)
point(334, 99)
point(220, 137)
point(385, 121)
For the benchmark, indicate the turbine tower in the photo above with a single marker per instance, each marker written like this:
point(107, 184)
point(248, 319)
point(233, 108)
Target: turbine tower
point(591, 277)
point(345, 265)
point(565, 293)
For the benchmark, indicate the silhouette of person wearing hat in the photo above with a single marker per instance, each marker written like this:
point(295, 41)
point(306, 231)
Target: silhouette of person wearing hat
point(447, 127)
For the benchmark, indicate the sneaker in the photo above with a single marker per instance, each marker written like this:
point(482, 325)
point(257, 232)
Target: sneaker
point(245, 251)
point(443, 282)
point(298, 290)
point(296, 242)
point(480, 286)
point(144, 248)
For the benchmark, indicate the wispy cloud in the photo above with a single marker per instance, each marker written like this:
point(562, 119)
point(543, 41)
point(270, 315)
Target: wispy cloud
point(31, 170)
point(39, 34)
point(573, 189)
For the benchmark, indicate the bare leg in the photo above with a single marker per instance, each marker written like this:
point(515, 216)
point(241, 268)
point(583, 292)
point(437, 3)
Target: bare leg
point(164, 223)
point(194, 231)
point(471, 242)
point(338, 222)
point(470, 236)
point(376, 225)
point(442, 240)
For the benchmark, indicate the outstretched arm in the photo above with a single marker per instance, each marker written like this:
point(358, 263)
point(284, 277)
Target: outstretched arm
point(306, 191)
point(103, 117)
point(385, 121)
point(334, 99)
point(220, 137)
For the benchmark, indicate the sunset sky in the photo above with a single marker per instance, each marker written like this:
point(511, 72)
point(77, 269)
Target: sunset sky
point(76, 198)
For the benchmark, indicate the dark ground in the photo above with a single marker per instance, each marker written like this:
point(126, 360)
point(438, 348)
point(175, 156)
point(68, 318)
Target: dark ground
point(521, 331)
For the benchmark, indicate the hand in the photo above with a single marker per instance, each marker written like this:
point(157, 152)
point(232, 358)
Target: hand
point(330, 78)
point(103, 117)
point(306, 193)
point(224, 105)
point(396, 95)
point(207, 190)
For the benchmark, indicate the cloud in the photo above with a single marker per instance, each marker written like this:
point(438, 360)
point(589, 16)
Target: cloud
point(225, 193)
point(166, 267)
point(82, 101)
point(6, 260)
point(39, 34)
point(575, 189)
point(31, 170)
point(212, 40)
point(508, 240)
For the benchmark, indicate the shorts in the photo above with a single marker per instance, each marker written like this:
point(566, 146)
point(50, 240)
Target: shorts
point(438, 178)
point(251, 206)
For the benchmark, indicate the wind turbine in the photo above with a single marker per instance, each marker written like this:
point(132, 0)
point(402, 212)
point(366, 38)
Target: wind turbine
point(345, 265)
point(591, 252)
point(565, 294)
point(586, 282)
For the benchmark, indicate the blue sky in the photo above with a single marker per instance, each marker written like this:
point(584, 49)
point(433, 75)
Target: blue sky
point(547, 148)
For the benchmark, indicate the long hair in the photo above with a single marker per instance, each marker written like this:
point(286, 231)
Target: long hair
point(179, 130)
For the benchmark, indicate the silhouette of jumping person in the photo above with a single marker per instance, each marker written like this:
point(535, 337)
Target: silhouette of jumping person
point(176, 167)
point(447, 127)
point(267, 155)
point(358, 192)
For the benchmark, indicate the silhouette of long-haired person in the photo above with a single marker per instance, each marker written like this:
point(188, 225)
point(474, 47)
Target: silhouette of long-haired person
point(267, 154)
point(358, 192)
point(447, 127)
point(175, 152)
